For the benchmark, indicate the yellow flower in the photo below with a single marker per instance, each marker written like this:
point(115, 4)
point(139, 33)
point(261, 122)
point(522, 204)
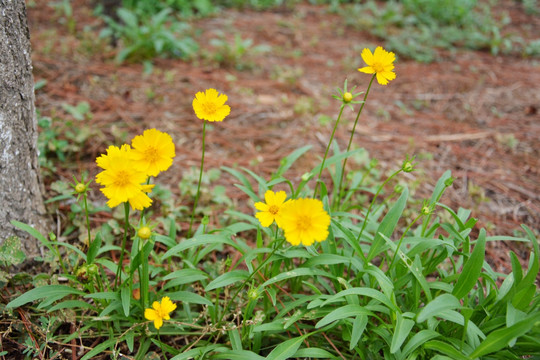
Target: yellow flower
point(210, 105)
point(153, 151)
point(305, 221)
point(160, 311)
point(122, 181)
point(275, 201)
point(381, 63)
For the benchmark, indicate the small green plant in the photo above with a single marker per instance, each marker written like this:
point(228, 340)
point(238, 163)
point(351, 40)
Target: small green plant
point(238, 54)
point(144, 37)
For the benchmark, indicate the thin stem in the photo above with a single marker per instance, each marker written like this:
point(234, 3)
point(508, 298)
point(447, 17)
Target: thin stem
point(87, 218)
point(327, 149)
point(144, 278)
point(401, 240)
point(250, 276)
point(352, 134)
point(121, 261)
point(200, 179)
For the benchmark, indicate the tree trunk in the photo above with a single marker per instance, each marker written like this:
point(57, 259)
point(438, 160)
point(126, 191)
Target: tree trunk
point(20, 188)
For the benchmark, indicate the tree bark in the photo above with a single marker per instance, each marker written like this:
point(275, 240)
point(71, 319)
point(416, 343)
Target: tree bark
point(20, 187)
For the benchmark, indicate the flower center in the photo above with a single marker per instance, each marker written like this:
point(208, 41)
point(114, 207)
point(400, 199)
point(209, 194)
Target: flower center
point(122, 178)
point(209, 107)
point(378, 67)
point(303, 223)
point(151, 154)
point(273, 209)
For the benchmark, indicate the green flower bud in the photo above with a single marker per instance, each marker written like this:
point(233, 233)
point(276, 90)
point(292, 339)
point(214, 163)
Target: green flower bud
point(144, 232)
point(80, 188)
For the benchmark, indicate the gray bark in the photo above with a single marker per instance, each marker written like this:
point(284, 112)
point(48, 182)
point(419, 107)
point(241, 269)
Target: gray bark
point(20, 188)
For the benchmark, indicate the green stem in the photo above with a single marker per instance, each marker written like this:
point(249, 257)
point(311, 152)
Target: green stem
point(372, 203)
point(144, 279)
point(352, 135)
point(327, 149)
point(251, 276)
point(121, 261)
point(199, 183)
point(87, 218)
point(401, 240)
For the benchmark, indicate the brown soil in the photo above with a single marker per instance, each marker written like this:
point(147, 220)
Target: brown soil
point(473, 113)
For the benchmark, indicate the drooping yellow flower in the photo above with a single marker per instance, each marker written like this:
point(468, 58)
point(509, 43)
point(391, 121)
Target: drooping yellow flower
point(210, 105)
point(381, 63)
point(271, 210)
point(121, 180)
point(153, 151)
point(160, 311)
point(305, 221)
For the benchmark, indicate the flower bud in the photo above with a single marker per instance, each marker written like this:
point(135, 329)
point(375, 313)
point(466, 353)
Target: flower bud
point(144, 232)
point(347, 97)
point(426, 210)
point(407, 166)
point(448, 182)
point(80, 188)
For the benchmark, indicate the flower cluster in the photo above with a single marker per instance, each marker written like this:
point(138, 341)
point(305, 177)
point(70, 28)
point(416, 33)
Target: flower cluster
point(126, 169)
point(303, 221)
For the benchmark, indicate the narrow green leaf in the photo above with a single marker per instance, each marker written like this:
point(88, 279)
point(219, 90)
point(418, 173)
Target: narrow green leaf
point(286, 349)
point(516, 267)
point(99, 349)
point(472, 268)
point(326, 259)
point(359, 325)
point(524, 297)
point(446, 349)
point(347, 311)
point(288, 160)
point(227, 279)
point(369, 292)
point(93, 249)
point(30, 230)
point(388, 225)
point(200, 240)
point(296, 273)
point(434, 307)
point(70, 304)
point(402, 330)
point(418, 339)
point(313, 353)
point(237, 355)
point(189, 297)
point(234, 338)
point(43, 292)
point(499, 339)
point(125, 295)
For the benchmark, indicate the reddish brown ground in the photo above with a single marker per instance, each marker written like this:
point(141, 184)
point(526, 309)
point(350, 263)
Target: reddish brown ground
point(461, 113)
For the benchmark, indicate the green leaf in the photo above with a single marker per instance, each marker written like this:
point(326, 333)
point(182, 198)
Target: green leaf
point(286, 349)
point(227, 279)
point(402, 330)
point(434, 307)
point(347, 311)
point(43, 292)
point(446, 349)
point(500, 338)
point(189, 297)
point(313, 353)
point(388, 225)
point(93, 249)
point(288, 160)
point(99, 349)
point(472, 268)
point(372, 293)
point(199, 240)
point(70, 304)
point(10, 251)
point(237, 355)
point(296, 273)
point(418, 339)
point(326, 259)
point(30, 230)
point(359, 325)
point(125, 295)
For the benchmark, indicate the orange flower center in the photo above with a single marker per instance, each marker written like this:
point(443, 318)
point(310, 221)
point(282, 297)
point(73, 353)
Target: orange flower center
point(378, 67)
point(209, 107)
point(273, 209)
point(151, 154)
point(122, 178)
point(303, 223)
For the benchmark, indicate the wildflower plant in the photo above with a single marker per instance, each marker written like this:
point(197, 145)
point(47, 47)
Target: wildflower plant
point(324, 272)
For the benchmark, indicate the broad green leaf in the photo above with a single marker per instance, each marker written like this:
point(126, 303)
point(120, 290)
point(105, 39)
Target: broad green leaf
point(500, 338)
point(347, 311)
point(402, 330)
point(388, 224)
point(524, 297)
point(446, 349)
point(472, 268)
point(227, 279)
point(434, 307)
point(286, 349)
point(234, 338)
point(43, 292)
point(326, 259)
point(107, 295)
point(70, 304)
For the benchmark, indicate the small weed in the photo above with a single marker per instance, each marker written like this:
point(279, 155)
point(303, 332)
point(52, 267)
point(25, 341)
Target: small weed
point(238, 54)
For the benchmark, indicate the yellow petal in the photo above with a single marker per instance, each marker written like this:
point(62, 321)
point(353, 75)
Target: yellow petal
point(367, 56)
point(150, 314)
